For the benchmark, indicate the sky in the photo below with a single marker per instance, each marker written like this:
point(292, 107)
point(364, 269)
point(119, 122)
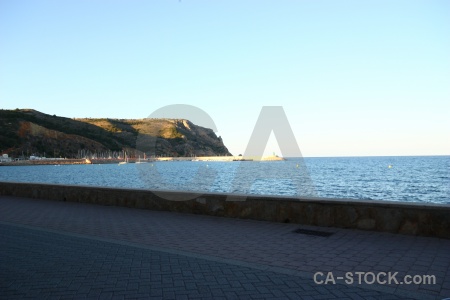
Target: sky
point(355, 78)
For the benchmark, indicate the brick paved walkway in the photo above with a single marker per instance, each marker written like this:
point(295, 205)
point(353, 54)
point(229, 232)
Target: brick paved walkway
point(60, 250)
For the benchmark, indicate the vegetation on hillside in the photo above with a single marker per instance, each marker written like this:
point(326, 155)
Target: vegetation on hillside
point(26, 132)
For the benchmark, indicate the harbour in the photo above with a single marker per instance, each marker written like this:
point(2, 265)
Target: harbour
point(80, 161)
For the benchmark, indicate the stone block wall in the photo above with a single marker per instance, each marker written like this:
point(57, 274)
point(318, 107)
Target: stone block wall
point(396, 217)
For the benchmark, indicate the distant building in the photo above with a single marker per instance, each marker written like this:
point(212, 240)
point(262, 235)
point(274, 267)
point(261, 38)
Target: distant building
point(5, 158)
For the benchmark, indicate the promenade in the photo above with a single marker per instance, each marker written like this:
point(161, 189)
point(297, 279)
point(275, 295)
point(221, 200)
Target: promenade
point(65, 250)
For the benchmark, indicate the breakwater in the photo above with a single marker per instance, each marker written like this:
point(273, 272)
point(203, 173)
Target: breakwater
point(47, 162)
point(395, 217)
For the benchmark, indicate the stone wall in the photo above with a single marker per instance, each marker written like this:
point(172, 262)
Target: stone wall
point(47, 162)
point(397, 217)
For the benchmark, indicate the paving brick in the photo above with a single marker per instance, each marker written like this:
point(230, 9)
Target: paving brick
point(55, 249)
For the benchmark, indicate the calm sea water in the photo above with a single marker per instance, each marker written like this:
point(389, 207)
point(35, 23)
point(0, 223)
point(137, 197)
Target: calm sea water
point(409, 179)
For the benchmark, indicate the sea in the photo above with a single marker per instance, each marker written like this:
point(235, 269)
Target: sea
point(423, 179)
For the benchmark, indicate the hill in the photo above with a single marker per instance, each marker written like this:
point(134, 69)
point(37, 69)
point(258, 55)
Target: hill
point(26, 132)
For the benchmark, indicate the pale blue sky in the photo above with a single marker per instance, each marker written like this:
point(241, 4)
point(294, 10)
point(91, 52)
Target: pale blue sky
point(354, 77)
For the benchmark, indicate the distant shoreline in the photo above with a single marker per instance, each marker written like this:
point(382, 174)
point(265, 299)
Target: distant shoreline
point(61, 161)
point(85, 161)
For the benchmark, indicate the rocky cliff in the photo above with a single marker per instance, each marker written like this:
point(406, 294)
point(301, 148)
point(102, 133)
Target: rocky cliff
point(26, 132)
